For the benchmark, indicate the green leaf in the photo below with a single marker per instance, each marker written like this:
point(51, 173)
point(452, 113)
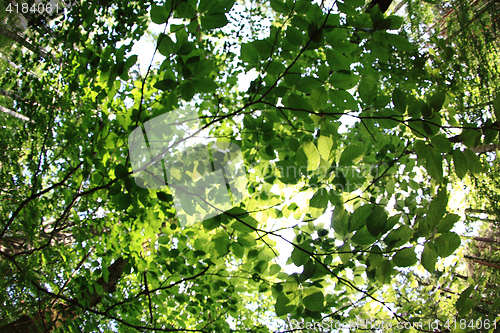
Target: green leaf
point(249, 54)
point(471, 138)
point(368, 89)
point(340, 220)
point(186, 48)
point(388, 118)
point(337, 60)
point(399, 237)
point(294, 36)
point(345, 257)
point(309, 270)
point(308, 83)
point(421, 149)
point(496, 107)
point(213, 21)
point(473, 162)
point(436, 101)
point(162, 196)
point(299, 257)
point(384, 271)
point(358, 218)
point(279, 6)
point(274, 269)
point(318, 98)
point(441, 143)
point(307, 157)
point(460, 162)
point(399, 42)
point(130, 61)
point(205, 85)
point(405, 257)
point(185, 10)
point(212, 223)
point(326, 148)
point(282, 306)
point(121, 171)
point(314, 301)
point(205, 5)
point(159, 14)
point(115, 189)
point(343, 80)
point(399, 100)
point(165, 85)
point(343, 100)
point(297, 102)
point(220, 242)
point(203, 67)
point(434, 164)
point(222, 6)
point(447, 243)
point(243, 222)
point(165, 45)
point(347, 9)
point(391, 222)
point(187, 90)
point(237, 250)
point(437, 208)
point(247, 241)
point(429, 257)
point(111, 140)
point(275, 67)
point(447, 223)
point(318, 203)
point(396, 22)
point(352, 154)
point(376, 221)
point(363, 237)
point(462, 304)
point(125, 201)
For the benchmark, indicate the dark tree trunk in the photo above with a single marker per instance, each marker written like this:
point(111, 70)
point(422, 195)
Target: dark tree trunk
point(66, 311)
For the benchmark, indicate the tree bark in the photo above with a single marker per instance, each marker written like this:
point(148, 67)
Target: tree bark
point(486, 240)
point(17, 244)
point(16, 66)
point(11, 95)
point(479, 211)
point(398, 7)
point(15, 114)
point(20, 244)
point(483, 263)
point(486, 148)
point(477, 259)
point(38, 323)
point(20, 40)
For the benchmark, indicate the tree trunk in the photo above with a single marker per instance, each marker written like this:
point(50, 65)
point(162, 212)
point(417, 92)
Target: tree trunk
point(11, 95)
point(20, 40)
point(483, 263)
point(479, 211)
point(38, 322)
point(398, 7)
point(479, 259)
point(486, 239)
point(15, 114)
point(15, 245)
point(486, 148)
point(16, 66)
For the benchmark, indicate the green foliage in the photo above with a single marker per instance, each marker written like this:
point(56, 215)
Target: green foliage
point(113, 255)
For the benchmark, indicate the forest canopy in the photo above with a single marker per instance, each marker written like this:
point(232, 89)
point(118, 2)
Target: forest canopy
point(344, 171)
